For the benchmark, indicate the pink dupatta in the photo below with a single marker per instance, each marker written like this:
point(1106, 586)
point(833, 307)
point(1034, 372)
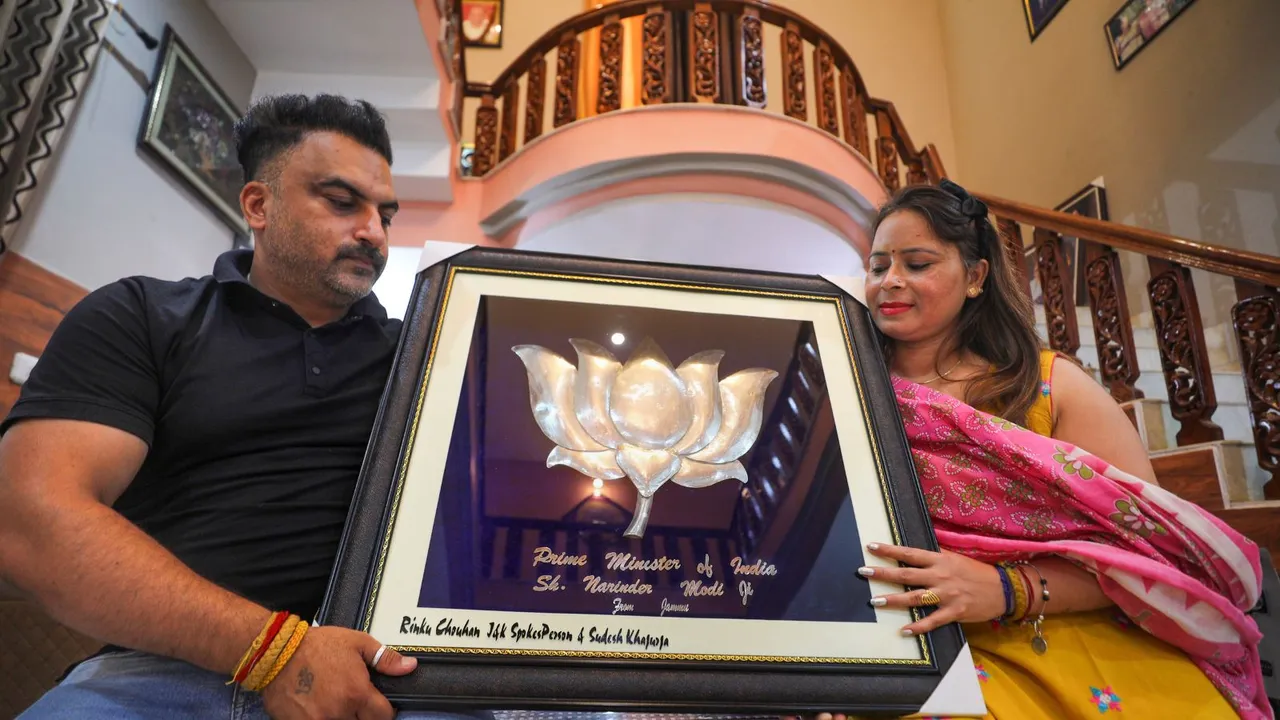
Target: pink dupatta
point(997, 491)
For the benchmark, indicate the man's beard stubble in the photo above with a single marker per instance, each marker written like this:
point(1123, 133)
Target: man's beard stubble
point(289, 251)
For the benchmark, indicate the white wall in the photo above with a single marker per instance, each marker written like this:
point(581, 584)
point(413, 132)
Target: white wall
point(105, 211)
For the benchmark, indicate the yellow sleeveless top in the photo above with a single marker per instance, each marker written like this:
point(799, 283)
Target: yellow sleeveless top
point(1040, 414)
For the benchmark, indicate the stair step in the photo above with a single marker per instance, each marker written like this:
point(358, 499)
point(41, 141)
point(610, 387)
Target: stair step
point(1220, 340)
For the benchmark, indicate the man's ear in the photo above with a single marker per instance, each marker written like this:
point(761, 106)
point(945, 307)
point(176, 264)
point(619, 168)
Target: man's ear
point(255, 196)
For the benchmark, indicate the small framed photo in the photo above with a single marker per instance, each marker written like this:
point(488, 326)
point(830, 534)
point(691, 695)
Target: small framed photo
point(482, 23)
point(1091, 202)
point(1039, 14)
point(600, 484)
point(1137, 23)
point(188, 127)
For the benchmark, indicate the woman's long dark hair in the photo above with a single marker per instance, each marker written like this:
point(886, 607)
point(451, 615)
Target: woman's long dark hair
point(998, 325)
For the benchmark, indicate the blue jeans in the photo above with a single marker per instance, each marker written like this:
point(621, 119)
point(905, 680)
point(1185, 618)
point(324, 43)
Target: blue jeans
point(138, 686)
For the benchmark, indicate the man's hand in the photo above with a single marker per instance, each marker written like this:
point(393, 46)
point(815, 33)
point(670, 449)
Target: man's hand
point(328, 677)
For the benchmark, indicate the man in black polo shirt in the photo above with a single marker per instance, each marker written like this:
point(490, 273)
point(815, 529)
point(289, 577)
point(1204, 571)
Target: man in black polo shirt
point(180, 463)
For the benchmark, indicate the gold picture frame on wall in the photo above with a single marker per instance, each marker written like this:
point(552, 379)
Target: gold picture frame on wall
point(1039, 14)
point(482, 23)
point(1137, 23)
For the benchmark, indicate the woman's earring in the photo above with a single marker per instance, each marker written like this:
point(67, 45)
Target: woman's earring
point(974, 292)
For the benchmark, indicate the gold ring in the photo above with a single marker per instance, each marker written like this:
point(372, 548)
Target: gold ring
point(929, 598)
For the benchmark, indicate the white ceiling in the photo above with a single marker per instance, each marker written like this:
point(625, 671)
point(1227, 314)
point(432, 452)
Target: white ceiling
point(350, 37)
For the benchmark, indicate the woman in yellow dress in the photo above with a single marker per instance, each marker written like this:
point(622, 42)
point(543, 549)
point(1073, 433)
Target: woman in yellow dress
point(941, 292)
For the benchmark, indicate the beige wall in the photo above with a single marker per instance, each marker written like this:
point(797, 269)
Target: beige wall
point(1185, 135)
point(906, 69)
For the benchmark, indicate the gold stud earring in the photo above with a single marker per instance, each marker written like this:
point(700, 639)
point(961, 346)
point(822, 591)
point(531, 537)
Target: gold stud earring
point(974, 292)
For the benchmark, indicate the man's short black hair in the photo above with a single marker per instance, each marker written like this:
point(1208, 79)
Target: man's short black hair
point(277, 123)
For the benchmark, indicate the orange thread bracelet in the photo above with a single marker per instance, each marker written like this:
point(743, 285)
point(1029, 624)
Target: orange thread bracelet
point(260, 669)
point(259, 646)
point(289, 649)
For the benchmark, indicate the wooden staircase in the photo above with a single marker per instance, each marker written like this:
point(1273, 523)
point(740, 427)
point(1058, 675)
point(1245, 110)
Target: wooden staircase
point(714, 51)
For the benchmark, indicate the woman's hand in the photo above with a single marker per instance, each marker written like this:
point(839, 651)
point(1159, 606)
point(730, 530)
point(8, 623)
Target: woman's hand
point(968, 590)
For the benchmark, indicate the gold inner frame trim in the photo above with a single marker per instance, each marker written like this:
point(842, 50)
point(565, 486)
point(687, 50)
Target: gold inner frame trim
point(925, 660)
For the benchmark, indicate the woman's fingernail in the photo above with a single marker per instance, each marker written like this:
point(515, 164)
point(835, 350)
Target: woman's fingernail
point(866, 571)
point(873, 546)
point(878, 602)
point(907, 632)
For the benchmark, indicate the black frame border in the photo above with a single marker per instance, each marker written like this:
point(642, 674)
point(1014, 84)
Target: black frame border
point(495, 681)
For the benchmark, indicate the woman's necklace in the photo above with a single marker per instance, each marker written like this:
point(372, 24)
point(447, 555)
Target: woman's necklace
point(940, 375)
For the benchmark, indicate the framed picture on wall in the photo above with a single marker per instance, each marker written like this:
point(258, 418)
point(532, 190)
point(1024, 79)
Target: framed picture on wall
point(482, 23)
point(188, 127)
point(1091, 202)
point(1137, 23)
point(1039, 13)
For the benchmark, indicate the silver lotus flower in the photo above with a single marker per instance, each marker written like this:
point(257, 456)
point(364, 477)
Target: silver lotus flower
point(645, 420)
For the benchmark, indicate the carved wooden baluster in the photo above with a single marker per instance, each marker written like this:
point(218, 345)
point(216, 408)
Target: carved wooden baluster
point(794, 102)
point(1183, 358)
point(1257, 321)
point(750, 59)
point(824, 83)
point(1011, 237)
point(887, 152)
point(510, 111)
point(1112, 333)
point(854, 111)
point(610, 95)
point(486, 137)
point(704, 48)
point(915, 172)
point(535, 98)
point(657, 50)
point(1059, 312)
point(567, 58)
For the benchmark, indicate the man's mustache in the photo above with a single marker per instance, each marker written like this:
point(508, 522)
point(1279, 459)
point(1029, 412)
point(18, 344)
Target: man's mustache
point(364, 252)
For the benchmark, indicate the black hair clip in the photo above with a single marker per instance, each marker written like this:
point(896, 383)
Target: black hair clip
point(969, 205)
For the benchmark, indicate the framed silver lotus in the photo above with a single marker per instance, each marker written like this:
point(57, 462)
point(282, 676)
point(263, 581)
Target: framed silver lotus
point(554, 514)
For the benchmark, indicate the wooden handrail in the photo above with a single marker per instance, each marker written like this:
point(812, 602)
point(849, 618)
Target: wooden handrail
point(578, 24)
point(1264, 269)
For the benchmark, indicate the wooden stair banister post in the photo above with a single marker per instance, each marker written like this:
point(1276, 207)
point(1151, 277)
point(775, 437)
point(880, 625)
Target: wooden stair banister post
point(1059, 311)
point(887, 152)
point(657, 56)
point(1257, 323)
point(1112, 331)
point(750, 60)
point(535, 98)
point(704, 78)
point(568, 57)
point(824, 87)
point(510, 113)
point(794, 102)
point(486, 136)
point(609, 95)
point(1175, 312)
point(1010, 233)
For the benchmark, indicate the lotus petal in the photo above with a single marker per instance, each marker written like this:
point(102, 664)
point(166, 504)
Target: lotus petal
point(648, 469)
point(693, 474)
point(647, 403)
point(592, 464)
point(597, 369)
point(551, 397)
point(742, 405)
point(702, 396)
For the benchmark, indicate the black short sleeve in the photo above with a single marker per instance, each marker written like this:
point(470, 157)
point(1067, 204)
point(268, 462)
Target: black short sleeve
point(98, 366)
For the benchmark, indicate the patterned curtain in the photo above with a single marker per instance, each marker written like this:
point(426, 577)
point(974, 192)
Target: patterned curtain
point(47, 48)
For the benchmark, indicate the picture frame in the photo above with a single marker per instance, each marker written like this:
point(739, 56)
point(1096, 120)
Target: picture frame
point(1090, 201)
point(510, 577)
point(1136, 24)
point(1039, 13)
point(188, 128)
point(482, 23)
